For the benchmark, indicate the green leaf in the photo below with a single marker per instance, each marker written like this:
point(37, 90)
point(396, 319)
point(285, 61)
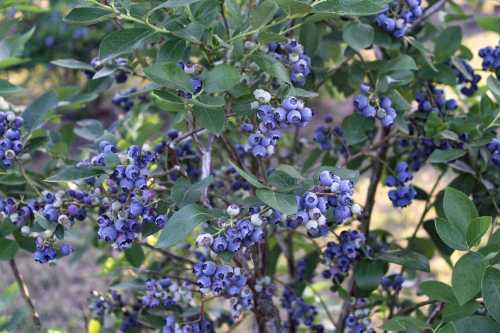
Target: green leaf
point(88, 15)
point(406, 258)
point(122, 41)
point(178, 3)
point(352, 175)
point(183, 192)
point(8, 249)
point(248, 177)
point(477, 228)
point(491, 23)
point(447, 43)
point(292, 7)
point(368, 273)
point(135, 255)
point(272, 66)
point(479, 324)
point(454, 311)
point(89, 129)
point(352, 7)
point(438, 291)
point(358, 35)
point(448, 328)
point(402, 63)
point(451, 234)
point(356, 128)
point(180, 225)
point(72, 173)
point(490, 287)
point(458, 209)
point(221, 78)
point(8, 88)
point(286, 203)
point(406, 324)
point(263, 13)
point(467, 276)
point(169, 75)
point(494, 85)
point(72, 63)
point(445, 156)
point(211, 119)
point(36, 113)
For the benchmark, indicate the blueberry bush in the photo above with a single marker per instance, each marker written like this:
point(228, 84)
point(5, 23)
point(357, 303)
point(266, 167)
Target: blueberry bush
point(184, 142)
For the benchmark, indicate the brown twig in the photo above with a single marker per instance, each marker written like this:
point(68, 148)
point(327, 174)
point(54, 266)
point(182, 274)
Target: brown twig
point(168, 254)
point(23, 287)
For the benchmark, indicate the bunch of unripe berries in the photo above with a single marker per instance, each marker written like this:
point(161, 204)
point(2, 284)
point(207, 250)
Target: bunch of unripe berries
point(404, 193)
point(264, 138)
point(370, 105)
point(292, 55)
point(399, 16)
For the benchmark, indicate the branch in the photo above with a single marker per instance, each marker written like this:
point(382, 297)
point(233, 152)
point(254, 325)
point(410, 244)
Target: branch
point(168, 254)
point(429, 12)
point(23, 287)
point(224, 18)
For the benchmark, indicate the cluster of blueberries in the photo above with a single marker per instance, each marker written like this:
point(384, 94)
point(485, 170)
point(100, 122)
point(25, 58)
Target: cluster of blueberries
point(165, 292)
point(491, 57)
point(245, 233)
point(126, 201)
point(340, 256)
point(468, 81)
point(202, 326)
point(101, 305)
point(323, 135)
point(124, 99)
point(358, 321)
point(196, 82)
point(65, 207)
point(494, 149)
point(299, 311)
point(264, 138)
point(434, 100)
point(333, 192)
point(399, 16)
point(45, 251)
point(62, 208)
point(224, 280)
point(371, 106)
point(10, 137)
point(422, 148)
point(403, 194)
point(392, 282)
point(292, 55)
